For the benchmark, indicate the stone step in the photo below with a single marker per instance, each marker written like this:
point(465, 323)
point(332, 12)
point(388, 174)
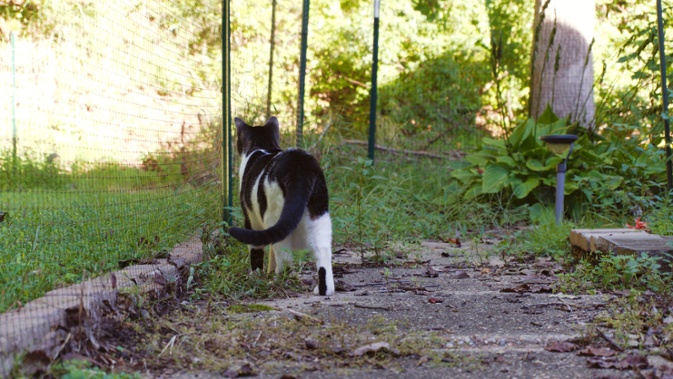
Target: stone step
point(621, 242)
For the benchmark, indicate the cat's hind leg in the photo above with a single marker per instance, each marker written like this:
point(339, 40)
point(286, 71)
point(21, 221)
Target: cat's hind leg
point(319, 240)
point(272, 259)
point(257, 258)
point(281, 256)
point(256, 252)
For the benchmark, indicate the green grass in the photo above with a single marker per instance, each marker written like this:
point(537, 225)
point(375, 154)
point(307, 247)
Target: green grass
point(404, 199)
point(80, 369)
point(92, 222)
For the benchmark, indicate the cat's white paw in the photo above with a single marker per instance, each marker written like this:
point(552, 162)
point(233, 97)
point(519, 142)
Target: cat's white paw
point(325, 285)
point(329, 292)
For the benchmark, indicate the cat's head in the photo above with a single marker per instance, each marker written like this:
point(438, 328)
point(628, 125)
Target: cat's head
point(250, 138)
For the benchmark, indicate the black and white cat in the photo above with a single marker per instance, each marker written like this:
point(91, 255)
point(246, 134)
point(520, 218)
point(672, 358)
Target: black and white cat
point(285, 203)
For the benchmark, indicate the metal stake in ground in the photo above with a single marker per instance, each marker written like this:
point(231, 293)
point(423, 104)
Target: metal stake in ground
point(559, 144)
point(228, 157)
point(302, 73)
point(664, 96)
point(12, 36)
point(375, 66)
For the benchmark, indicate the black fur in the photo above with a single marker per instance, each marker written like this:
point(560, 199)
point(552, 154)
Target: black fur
point(257, 259)
point(297, 173)
point(322, 283)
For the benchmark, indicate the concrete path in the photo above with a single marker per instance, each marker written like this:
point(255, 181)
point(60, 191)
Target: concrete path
point(468, 315)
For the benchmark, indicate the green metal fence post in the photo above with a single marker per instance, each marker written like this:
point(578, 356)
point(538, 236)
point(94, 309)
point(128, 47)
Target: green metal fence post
point(373, 96)
point(302, 73)
point(228, 157)
point(273, 44)
point(664, 93)
point(12, 37)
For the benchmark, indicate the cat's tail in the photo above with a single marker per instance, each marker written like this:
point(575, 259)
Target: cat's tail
point(290, 216)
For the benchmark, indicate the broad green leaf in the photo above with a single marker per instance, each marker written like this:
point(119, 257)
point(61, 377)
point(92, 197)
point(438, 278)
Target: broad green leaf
point(612, 182)
point(522, 190)
point(537, 212)
point(570, 188)
point(493, 142)
point(458, 165)
point(507, 160)
point(535, 165)
point(548, 116)
point(480, 158)
point(494, 178)
point(465, 176)
point(521, 132)
point(472, 192)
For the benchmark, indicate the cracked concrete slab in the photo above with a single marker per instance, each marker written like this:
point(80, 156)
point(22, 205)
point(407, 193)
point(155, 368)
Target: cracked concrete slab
point(494, 319)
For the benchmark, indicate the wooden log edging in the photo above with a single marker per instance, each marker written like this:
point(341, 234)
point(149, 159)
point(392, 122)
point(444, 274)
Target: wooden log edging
point(40, 325)
point(453, 155)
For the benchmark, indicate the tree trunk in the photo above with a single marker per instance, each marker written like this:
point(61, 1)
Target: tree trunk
point(562, 63)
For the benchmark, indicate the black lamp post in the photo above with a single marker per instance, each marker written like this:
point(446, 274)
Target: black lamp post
point(560, 144)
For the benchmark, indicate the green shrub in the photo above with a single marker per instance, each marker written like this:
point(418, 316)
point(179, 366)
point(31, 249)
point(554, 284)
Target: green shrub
point(615, 173)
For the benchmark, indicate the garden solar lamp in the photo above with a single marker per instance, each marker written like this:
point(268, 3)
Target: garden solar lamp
point(561, 145)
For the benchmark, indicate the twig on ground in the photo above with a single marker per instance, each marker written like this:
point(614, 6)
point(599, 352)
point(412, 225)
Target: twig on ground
point(303, 316)
point(358, 305)
point(609, 340)
point(170, 343)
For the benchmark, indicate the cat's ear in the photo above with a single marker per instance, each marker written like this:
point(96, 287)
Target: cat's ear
point(274, 125)
point(241, 128)
point(240, 124)
point(273, 122)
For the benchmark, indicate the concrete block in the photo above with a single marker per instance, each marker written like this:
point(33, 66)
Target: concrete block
point(36, 325)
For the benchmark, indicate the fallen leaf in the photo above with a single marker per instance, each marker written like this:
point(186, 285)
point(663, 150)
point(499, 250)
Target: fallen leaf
point(423, 360)
point(536, 279)
point(310, 344)
point(370, 348)
point(239, 371)
point(435, 300)
point(455, 241)
point(341, 286)
point(593, 351)
point(459, 274)
point(522, 288)
point(518, 289)
point(430, 272)
point(561, 347)
point(638, 225)
point(667, 354)
point(636, 361)
point(632, 361)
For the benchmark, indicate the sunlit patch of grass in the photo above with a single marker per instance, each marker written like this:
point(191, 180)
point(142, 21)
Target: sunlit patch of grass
point(50, 239)
point(80, 369)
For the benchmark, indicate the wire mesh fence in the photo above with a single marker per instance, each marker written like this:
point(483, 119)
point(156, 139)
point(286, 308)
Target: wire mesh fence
point(110, 149)
point(111, 139)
